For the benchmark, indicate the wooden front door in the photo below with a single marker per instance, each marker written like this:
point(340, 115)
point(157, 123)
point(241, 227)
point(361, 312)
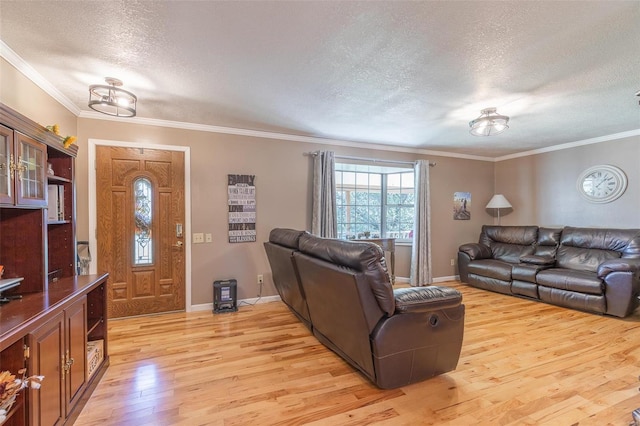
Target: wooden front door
point(140, 216)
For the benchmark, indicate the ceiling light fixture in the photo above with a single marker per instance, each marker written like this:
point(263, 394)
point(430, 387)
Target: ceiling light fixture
point(111, 100)
point(489, 123)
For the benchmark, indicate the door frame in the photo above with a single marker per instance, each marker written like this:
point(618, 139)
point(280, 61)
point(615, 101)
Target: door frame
point(93, 218)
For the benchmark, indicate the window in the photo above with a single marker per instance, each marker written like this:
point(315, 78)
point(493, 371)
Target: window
point(142, 195)
point(374, 201)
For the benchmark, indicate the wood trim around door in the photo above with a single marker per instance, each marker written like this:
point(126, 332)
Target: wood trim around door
point(93, 247)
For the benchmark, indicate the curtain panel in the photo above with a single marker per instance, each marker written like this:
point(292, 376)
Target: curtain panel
point(421, 249)
point(324, 221)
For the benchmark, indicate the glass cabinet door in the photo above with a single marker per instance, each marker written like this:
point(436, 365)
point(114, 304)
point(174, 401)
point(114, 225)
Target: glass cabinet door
point(31, 167)
point(6, 171)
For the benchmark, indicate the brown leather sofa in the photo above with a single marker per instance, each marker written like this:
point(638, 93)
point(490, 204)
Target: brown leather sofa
point(393, 337)
point(280, 248)
point(590, 269)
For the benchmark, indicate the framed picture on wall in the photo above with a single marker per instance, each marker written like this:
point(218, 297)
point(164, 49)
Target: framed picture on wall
point(461, 206)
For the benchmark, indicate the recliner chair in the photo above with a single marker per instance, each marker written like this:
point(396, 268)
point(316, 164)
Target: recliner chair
point(394, 337)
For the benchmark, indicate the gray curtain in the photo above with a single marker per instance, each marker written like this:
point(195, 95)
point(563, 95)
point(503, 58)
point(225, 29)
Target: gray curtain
point(421, 250)
point(323, 221)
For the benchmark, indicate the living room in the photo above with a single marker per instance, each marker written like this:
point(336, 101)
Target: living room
point(540, 183)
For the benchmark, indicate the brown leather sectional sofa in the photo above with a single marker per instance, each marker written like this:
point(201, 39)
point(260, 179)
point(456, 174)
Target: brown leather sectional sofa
point(590, 269)
point(342, 292)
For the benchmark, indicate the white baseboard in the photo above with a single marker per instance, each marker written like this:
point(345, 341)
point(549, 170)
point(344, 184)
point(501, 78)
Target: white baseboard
point(276, 298)
point(443, 279)
point(406, 280)
point(242, 302)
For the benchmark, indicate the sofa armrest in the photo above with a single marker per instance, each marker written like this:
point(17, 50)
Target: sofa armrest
point(476, 251)
point(618, 265)
point(425, 299)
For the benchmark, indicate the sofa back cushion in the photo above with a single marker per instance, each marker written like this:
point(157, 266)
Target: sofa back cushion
point(286, 237)
point(585, 248)
point(508, 243)
point(548, 241)
point(363, 257)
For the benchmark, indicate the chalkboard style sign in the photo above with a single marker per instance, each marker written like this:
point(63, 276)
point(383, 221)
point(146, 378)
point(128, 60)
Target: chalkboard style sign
point(241, 191)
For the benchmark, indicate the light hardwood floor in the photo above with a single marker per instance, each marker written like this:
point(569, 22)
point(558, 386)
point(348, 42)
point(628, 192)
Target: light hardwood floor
point(522, 363)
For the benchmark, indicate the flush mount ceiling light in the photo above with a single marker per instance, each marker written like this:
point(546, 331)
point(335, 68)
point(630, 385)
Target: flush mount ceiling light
point(489, 123)
point(111, 100)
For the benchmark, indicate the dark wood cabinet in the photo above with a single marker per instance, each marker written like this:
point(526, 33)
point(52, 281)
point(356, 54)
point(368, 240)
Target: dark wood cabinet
point(46, 345)
point(58, 352)
point(23, 162)
point(13, 359)
point(32, 246)
point(6, 170)
point(47, 330)
point(75, 352)
point(30, 166)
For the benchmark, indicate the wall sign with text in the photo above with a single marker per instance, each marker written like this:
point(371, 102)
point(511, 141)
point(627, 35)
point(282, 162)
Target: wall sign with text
point(241, 193)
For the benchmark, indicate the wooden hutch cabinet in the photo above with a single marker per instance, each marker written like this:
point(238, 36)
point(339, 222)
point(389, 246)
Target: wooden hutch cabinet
point(22, 164)
point(52, 321)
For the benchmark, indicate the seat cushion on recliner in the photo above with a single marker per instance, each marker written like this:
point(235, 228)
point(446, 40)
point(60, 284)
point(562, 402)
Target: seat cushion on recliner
point(491, 268)
point(567, 279)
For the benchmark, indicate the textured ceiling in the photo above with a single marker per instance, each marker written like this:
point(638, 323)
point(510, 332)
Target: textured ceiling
point(410, 74)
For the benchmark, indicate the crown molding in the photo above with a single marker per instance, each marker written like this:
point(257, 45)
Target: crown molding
point(12, 57)
point(600, 139)
point(273, 135)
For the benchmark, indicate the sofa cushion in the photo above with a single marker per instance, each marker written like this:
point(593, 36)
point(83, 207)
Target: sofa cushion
point(570, 280)
point(426, 299)
point(526, 271)
point(548, 241)
point(476, 251)
point(285, 237)
point(508, 243)
point(571, 299)
point(491, 268)
point(586, 248)
point(583, 259)
point(537, 260)
point(364, 257)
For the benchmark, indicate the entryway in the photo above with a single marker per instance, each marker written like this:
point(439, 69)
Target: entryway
point(140, 228)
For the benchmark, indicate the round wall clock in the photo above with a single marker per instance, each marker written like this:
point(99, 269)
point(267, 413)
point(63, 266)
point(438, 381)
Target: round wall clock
point(602, 184)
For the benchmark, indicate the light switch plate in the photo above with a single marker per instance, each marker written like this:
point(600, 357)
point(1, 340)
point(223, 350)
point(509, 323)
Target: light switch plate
point(198, 238)
point(207, 238)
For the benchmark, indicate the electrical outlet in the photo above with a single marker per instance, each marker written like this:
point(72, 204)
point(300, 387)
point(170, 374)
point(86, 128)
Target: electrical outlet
point(453, 262)
point(260, 279)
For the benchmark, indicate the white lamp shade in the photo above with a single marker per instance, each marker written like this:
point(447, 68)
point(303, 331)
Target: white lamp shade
point(498, 201)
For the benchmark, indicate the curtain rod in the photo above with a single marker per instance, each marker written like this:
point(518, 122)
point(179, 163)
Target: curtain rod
point(374, 160)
